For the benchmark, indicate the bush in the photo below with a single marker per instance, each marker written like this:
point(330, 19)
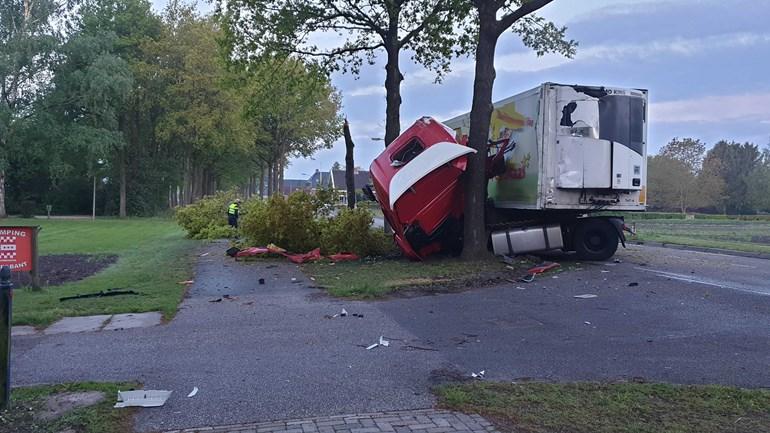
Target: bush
point(27, 208)
point(351, 231)
point(291, 223)
point(207, 218)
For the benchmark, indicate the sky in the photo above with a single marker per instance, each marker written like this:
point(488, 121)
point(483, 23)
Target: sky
point(706, 64)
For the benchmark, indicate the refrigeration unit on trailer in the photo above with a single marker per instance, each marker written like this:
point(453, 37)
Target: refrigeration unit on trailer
point(558, 155)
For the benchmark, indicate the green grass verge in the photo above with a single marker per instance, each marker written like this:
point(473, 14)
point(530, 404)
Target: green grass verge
point(99, 418)
point(747, 236)
point(153, 256)
point(381, 277)
point(612, 408)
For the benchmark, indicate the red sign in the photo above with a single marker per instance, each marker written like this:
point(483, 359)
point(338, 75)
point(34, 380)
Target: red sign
point(16, 248)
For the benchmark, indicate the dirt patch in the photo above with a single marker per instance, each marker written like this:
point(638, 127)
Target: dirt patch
point(64, 268)
point(59, 404)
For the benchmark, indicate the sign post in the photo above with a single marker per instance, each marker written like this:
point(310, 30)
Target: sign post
point(6, 295)
point(18, 251)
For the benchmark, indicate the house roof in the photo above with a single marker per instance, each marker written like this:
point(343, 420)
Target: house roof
point(361, 178)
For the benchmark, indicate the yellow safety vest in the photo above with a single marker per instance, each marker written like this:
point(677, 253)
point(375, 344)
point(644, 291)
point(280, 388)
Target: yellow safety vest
point(233, 209)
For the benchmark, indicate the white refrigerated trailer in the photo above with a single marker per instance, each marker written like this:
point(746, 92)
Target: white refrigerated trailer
point(578, 150)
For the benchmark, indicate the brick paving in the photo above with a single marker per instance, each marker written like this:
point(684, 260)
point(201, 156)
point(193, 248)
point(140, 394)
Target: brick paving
point(411, 421)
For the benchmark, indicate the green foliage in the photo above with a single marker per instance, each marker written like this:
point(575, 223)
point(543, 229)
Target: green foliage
point(27, 209)
point(351, 231)
point(291, 223)
point(206, 218)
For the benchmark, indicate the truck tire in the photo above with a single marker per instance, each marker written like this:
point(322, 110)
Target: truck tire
point(595, 239)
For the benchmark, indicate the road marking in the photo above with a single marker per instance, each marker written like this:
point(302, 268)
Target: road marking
point(707, 282)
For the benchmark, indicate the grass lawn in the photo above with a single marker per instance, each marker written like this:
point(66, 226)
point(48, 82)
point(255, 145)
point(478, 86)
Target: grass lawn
point(612, 408)
point(99, 418)
point(748, 236)
point(152, 258)
point(381, 277)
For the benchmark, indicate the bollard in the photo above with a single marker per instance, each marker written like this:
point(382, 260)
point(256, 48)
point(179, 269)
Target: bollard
point(6, 295)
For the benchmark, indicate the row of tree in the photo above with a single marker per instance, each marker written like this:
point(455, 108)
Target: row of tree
point(111, 87)
point(729, 178)
point(147, 107)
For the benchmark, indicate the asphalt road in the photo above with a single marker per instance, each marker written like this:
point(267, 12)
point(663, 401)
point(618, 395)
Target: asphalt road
point(270, 354)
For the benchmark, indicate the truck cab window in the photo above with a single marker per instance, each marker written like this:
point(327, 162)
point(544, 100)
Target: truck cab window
point(408, 153)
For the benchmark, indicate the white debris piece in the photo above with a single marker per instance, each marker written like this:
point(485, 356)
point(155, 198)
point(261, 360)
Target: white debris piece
point(142, 398)
point(587, 322)
point(372, 346)
point(383, 342)
point(479, 375)
point(343, 313)
point(586, 296)
point(193, 392)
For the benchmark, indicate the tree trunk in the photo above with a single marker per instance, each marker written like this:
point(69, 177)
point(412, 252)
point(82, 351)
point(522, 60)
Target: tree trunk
point(350, 176)
point(3, 214)
point(474, 231)
point(269, 179)
point(261, 181)
point(393, 80)
point(122, 162)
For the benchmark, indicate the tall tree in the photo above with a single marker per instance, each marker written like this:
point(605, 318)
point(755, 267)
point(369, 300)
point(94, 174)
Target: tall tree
point(427, 28)
point(758, 184)
point(28, 40)
point(493, 18)
point(733, 162)
point(689, 151)
point(295, 109)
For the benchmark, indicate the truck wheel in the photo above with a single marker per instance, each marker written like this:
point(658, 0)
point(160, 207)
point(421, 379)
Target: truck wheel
point(595, 239)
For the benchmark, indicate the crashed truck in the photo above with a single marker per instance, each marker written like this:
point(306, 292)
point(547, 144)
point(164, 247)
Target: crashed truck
point(561, 159)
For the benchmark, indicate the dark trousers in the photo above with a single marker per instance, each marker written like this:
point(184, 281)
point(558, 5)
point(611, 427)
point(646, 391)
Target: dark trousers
point(232, 220)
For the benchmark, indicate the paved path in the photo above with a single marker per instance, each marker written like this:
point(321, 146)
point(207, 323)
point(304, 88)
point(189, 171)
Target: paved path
point(268, 353)
point(412, 421)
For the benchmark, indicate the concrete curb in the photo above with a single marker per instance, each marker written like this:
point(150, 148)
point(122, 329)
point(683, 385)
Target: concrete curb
point(702, 249)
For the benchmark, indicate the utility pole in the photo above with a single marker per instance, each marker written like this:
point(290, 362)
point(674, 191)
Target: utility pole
point(6, 295)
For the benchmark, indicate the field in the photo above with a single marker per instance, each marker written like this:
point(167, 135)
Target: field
point(729, 234)
point(152, 257)
point(612, 408)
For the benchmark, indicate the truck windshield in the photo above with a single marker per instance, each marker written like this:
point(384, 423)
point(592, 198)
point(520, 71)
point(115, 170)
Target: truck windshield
point(621, 120)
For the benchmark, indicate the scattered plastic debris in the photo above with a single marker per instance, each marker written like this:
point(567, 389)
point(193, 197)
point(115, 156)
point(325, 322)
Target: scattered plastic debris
point(294, 280)
point(344, 257)
point(261, 281)
point(141, 398)
point(604, 271)
point(521, 288)
point(542, 267)
point(382, 342)
point(634, 284)
point(204, 255)
point(527, 278)
point(343, 313)
point(618, 261)
point(216, 300)
point(252, 252)
point(587, 322)
point(193, 392)
point(187, 282)
point(586, 296)
point(479, 375)
point(359, 315)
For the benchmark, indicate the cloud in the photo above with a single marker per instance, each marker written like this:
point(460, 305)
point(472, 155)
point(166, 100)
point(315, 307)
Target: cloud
point(528, 61)
point(713, 109)
point(377, 89)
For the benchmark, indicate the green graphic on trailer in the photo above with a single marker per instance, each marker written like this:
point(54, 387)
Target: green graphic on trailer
point(517, 121)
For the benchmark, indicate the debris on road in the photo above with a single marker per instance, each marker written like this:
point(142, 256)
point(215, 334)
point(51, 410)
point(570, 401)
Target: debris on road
point(587, 322)
point(294, 280)
point(204, 255)
point(542, 267)
point(586, 296)
point(101, 294)
point(382, 342)
point(344, 257)
point(261, 281)
point(604, 271)
point(343, 313)
point(359, 315)
point(193, 392)
point(634, 284)
point(527, 278)
point(142, 398)
point(216, 300)
point(479, 375)
point(187, 282)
